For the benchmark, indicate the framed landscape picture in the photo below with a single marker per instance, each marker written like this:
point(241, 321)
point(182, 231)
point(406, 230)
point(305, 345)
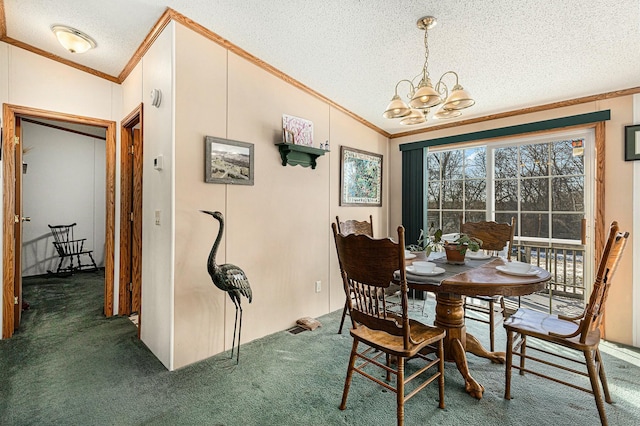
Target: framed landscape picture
point(360, 178)
point(228, 161)
point(632, 142)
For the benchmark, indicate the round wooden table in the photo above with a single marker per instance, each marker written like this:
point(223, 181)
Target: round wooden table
point(483, 280)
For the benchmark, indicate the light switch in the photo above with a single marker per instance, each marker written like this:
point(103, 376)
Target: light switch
point(158, 217)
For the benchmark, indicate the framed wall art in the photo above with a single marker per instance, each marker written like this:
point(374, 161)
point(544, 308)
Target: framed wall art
point(228, 161)
point(632, 142)
point(360, 178)
point(297, 130)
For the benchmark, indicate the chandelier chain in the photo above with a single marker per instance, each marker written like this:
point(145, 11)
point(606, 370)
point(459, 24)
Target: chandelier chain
point(426, 57)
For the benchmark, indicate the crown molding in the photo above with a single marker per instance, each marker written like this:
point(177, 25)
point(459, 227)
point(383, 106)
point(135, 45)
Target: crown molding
point(59, 59)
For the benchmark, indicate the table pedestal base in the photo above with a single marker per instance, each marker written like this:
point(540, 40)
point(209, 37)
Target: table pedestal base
point(450, 317)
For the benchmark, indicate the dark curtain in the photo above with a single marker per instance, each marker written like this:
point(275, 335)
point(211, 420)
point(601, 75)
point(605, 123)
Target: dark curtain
point(412, 194)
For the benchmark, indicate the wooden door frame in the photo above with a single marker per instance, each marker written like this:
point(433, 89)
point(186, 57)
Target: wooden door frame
point(9, 113)
point(130, 228)
point(17, 229)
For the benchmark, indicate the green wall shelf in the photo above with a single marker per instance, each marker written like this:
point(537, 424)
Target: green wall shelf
point(299, 155)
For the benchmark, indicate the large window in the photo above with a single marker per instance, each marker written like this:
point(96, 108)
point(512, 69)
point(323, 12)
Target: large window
point(541, 183)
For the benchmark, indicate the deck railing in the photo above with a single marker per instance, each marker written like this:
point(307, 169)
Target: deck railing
point(565, 262)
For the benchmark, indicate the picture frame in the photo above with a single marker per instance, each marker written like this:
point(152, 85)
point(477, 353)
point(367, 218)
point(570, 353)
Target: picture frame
point(632, 142)
point(301, 130)
point(228, 161)
point(360, 178)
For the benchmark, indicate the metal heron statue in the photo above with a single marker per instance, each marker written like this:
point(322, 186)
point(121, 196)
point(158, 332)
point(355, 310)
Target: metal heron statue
point(229, 278)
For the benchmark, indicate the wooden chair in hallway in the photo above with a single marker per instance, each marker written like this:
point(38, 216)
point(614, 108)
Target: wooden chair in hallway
point(367, 268)
point(347, 227)
point(578, 334)
point(70, 248)
point(495, 237)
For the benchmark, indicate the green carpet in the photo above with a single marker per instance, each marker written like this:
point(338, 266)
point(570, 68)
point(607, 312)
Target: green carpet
point(69, 365)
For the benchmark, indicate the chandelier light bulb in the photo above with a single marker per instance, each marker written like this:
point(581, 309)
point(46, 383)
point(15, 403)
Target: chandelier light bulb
point(396, 108)
point(459, 99)
point(425, 97)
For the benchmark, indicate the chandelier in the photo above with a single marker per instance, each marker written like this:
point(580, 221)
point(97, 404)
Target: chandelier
point(423, 96)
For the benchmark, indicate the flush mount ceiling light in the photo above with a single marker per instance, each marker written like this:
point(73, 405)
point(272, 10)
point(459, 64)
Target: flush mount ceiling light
point(73, 40)
point(423, 96)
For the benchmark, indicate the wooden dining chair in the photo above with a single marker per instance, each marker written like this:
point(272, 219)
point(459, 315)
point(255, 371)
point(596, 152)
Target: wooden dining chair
point(495, 237)
point(347, 227)
point(579, 334)
point(367, 268)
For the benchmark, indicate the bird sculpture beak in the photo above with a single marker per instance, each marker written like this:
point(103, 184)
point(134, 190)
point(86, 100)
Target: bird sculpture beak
point(207, 212)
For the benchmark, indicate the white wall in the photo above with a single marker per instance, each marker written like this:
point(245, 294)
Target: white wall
point(64, 183)
point(132, 94)
point(4, 73)
point(277, 230)
point(157, 195)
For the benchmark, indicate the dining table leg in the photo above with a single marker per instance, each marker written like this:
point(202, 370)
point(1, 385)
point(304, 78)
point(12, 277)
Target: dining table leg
point(475, 347)
point(450, 317)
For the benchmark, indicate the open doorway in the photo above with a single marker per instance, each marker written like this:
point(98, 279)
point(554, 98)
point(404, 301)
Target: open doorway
point(63, 183)
point(12, 206)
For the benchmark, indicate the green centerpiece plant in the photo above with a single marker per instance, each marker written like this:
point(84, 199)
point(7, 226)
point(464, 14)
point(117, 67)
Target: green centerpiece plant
point(466, 242)
point(432, 241)
point(428, 242)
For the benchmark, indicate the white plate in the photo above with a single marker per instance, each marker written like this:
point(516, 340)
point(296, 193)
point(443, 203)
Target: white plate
point(409, 256)
point(502, 268)
point(436, 271)
point(479, 255)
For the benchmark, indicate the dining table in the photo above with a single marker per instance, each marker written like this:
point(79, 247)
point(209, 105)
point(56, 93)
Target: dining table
point(478, 276)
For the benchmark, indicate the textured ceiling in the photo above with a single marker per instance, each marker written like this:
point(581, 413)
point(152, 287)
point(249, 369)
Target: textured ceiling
point(509, 54)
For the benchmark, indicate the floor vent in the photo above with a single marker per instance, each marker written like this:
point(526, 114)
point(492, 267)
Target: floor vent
point(296, 330)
